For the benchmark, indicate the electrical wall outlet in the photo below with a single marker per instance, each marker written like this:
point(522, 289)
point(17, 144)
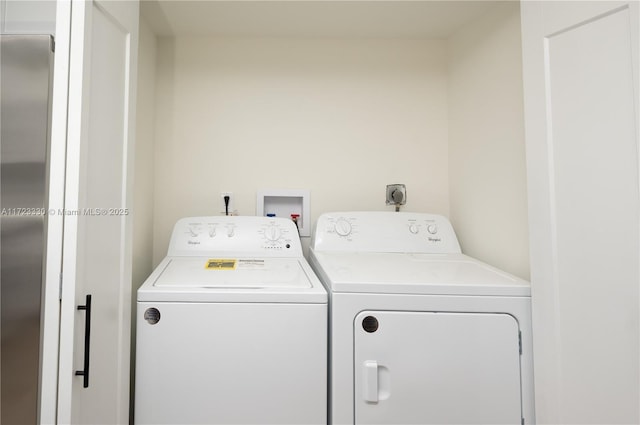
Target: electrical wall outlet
point(230, 209)
point(396, 194)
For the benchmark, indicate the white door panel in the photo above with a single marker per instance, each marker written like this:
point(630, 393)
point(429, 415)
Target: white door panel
point(437, 368)
point(97, 233)
point(594, 168)
point(580, 74)
point(562, 15)
point(231, 363)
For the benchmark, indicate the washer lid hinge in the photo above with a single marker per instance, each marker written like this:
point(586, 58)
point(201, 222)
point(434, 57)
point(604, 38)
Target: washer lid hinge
point(520, 348)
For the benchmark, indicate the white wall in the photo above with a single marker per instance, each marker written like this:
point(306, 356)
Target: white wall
point(342, 118)
point(487, 171)
point(144, 157)
point(143, 177)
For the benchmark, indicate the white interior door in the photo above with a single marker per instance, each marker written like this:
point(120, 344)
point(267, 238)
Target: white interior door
point(436, 368)
point(581, 107)
point(97, 225)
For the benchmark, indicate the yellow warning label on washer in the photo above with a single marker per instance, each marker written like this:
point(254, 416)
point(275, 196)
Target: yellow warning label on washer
point(220, 264)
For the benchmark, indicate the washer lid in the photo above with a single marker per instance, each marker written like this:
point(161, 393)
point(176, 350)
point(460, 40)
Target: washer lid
point(428, 274)
point(258, 273)
point(193, 279)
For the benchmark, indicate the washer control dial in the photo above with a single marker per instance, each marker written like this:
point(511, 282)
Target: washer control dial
point(194, 230)
point(343, 227)
point(432, 228)
point(272, 233)
point(413, 228)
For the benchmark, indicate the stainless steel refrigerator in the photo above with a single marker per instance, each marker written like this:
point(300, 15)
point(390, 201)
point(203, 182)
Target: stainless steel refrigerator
point(25, 72)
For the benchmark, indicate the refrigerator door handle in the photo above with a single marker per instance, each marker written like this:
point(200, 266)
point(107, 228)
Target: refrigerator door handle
point(87, 339)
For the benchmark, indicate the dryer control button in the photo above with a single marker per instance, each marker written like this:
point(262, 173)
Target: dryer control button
point(343, 227)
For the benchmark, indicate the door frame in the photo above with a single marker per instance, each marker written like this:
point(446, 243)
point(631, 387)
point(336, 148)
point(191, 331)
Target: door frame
point(51, 293)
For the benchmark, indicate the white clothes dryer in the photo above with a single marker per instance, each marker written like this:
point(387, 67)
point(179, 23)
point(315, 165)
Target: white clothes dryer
point(419, 332)
point(232, 328)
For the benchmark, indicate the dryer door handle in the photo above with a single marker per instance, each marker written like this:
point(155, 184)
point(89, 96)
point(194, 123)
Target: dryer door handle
point(370, 375)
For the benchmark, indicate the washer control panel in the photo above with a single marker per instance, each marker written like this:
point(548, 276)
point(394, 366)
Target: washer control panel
point(373, 231)
point(237, 235)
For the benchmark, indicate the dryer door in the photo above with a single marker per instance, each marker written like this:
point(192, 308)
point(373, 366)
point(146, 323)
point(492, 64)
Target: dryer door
point(436, 368)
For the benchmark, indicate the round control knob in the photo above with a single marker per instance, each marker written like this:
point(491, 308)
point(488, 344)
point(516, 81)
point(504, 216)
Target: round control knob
point(272, 233)
point(231, 231)
point(193, 232)
point(343, 227)
point(432, 228)
point(414, 229)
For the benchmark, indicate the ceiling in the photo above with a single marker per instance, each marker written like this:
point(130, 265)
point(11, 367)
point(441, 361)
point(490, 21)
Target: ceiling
point(319, 18)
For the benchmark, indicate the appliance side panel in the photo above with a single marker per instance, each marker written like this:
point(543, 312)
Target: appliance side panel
point(25, 88)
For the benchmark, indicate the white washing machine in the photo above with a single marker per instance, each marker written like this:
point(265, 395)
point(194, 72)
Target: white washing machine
point(419, 332)
point(232, 328)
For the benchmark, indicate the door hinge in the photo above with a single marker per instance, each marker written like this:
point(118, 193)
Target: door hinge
point(60, 288)
point(520, 347)
point(521, 421)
